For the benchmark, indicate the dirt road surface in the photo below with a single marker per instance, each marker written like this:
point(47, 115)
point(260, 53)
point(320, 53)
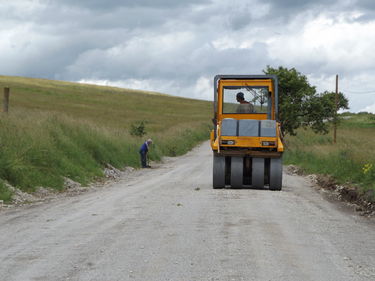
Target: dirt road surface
point(167, 223)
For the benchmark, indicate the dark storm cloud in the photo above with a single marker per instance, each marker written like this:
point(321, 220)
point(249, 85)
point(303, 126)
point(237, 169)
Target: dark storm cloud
point(54, 37)
point(118, 19)
point(299, 5)
point(368, 5)
point(173, 45)
point(114, 4)
point(72, 19)
point(281, 11)
point(286, 9)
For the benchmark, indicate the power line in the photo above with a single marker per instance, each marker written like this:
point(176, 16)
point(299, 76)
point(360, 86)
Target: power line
point(359, 92)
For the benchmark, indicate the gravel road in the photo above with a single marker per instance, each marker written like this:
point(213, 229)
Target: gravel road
point(167, 223)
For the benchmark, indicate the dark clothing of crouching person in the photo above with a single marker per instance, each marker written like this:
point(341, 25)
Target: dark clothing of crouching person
point(143, 152)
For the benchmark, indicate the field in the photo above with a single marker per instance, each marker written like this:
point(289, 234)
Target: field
point(351, 160)
point(58, 129)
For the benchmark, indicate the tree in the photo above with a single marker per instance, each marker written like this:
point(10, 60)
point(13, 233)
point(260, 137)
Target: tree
point(329, 100)
point(299, 103)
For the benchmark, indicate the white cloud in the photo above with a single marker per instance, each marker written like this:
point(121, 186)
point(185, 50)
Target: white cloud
point(204, 88)
point(201, 89)
point(330, 42)
point(369, 108)
point(232, 42)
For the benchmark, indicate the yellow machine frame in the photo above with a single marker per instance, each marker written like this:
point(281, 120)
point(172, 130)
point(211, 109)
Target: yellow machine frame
point(252, 144)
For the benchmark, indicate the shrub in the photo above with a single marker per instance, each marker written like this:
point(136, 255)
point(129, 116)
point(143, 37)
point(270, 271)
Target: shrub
point(5, 193)
point(138, 130)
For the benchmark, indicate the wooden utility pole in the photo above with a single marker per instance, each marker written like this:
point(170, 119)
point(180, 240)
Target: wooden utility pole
point(6, 99)
point(336, 108)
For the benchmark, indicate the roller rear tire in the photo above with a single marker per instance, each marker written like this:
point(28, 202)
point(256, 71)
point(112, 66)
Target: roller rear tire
point(236, 174)
point(218, 173)
point(276, 174)
point(258, 173)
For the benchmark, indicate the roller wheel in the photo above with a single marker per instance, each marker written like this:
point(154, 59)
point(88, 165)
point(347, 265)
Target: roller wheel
point(276, 174)
point(218, 180)
point(258, 173)
point(236, 173)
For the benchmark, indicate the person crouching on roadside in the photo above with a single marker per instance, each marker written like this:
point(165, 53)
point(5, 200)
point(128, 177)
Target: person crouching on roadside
point(143, 152)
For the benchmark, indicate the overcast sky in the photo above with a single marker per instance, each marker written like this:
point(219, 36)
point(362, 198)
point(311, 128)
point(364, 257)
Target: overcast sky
point(177, 46)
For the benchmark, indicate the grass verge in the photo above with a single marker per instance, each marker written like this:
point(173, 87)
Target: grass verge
point(350, 161)
point(59, 129)
point(5, 193)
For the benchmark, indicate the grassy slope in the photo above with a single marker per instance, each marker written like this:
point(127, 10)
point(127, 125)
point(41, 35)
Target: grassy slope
point(351, 160)
point(57, 129)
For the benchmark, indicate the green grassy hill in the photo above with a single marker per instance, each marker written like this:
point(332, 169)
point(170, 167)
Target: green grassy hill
point(351, 160)
point(58, 129)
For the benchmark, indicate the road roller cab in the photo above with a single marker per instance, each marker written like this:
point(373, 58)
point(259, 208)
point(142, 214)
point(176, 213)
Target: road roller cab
point(246, 140)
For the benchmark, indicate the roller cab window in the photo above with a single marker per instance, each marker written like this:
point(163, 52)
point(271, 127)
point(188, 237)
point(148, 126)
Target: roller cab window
point(246, 99)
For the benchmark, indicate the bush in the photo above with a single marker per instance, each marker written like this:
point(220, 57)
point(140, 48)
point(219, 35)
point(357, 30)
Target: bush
point(5, 193)
point(138, 130)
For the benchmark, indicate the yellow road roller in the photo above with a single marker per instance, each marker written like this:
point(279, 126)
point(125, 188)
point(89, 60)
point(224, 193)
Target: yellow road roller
point(246, 141)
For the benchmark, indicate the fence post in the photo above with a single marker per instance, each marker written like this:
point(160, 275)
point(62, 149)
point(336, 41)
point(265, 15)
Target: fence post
point(6, 99)
point(335, 117)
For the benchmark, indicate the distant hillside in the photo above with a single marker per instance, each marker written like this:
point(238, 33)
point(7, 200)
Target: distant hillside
point(58, 129)
point(109, 107)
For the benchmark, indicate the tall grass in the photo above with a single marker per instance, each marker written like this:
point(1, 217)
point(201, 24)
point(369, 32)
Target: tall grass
point(59, 129)
point(350, 160)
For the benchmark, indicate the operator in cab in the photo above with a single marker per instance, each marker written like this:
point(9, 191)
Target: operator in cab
point(244, 106)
